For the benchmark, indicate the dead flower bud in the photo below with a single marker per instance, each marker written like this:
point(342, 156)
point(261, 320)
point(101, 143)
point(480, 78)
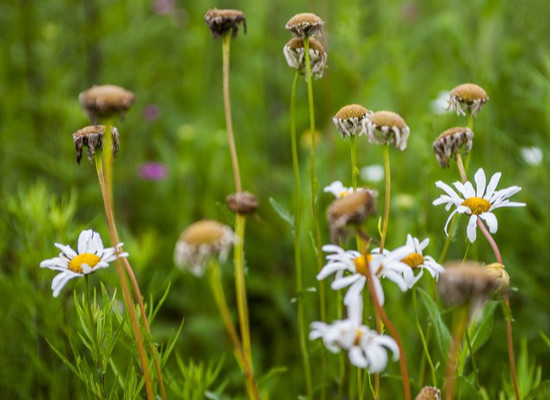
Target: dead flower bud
point(449, 143)
point(92, 138)
point(429, 393)
point(500, 277)
point(349, 120)
point(243, 203)
point(221, 22)
point(467, 97)
point(104, 101)
point(305, 24)
point(294, 52)
point(387, 127)
point(350, 209)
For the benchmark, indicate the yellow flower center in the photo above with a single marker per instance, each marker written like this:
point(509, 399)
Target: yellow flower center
point(358, 334)
point(91, 260)
point(344, 193)
point(362, 263)
point(477, 205)
point(413, 260)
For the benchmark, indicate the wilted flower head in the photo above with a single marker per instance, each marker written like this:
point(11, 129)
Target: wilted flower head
point(221, 22)
point(478, 203)
point(199, 242)
point(429, 393)
point(448, 144)
point(294, 52)
point(104, 101)
point(92, 138)
point(500, 277)
point(242, 203)
point(349, 120)
point(91, 256)
point(305, 24)
point(387, 127)
point(350, 209)
point(467, 97)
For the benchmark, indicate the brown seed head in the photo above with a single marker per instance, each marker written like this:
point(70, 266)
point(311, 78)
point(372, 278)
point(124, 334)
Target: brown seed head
point(449, 143)
point(500, 277)
point(203, 232)
point(295, 56)
point(243, 203)
point(387, 127)
point(106, 100)
point(305, 24)
point(389, 119)
point(469, 93)
point(429, 393)
point(349, 120)
point(221, 22)
point(350, 209)
point(92, 138)
point(352, 111)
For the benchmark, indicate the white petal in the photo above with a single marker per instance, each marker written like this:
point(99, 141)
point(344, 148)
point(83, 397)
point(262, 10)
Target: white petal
point(480, 182)
point(328, 270)
point(471, 230)
point(89, 242)
point(60, 280)
point(448, 220)
point(378, 290)
point(66, 250)
point(357, 358)
point(56, 264)
point(353, 295)
point(491, 221)
point(345, 281)
point(378, 358)
point(492, 185)
point(449, 190)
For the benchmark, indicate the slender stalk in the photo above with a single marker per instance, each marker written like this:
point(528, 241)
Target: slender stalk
point(100, 367)
point(126, 294)
point(353, 163)
point(386, 151)
point(297, 243)
point(214, 278)
point(461, 169)
point(423, 339)
point(460, 328)
point(471, 351)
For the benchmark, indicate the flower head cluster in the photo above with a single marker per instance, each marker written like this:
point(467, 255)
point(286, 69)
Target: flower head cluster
point(478, 203)
point(294, 52)
point(467, 97)
point(387, 127)
point(89, 257)
point(349, 120)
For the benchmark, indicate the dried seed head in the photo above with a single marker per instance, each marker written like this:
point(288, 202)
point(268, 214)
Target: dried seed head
point(350, 209)
point(221, 22)
point(448, 144)
point(386, 127)
point(106, 100)
point(242, 203)
point(349, 120)
point(466, 282)
point(92, 138)
point(199, 242)
point(294, 52)
point(500, 277)
point(429, 393)
point(467, 97)
point(305, 24)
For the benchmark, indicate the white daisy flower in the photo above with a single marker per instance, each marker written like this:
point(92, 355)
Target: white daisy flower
point(338, 189)
point(532, 155)
point(91, 255)
point(478, 203)
point(417, 259)
point(366, 348)
point(387, 265)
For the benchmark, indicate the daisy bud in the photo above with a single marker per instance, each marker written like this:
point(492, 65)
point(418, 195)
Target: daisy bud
point(387, 127)
point(243, 203)
point(221, 22)
point(500, 277)
point(199, 242)
point(92, 138)
point(305, 24)
point(467, 97)
point(104, 101)
point(350, 209)
point(349, 120)
point(449, 143)
point(295, 56)
point(429, 393)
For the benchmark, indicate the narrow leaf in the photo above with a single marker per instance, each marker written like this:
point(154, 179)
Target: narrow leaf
point(442, 333)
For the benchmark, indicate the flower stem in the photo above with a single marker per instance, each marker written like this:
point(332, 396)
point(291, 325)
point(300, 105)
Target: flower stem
point(460, 328)
point(423, 339)
point(100, 367)
point(461, 168)
point(386, 151)
point(474, 363)
point(297, 242)
point(353, 163)
point(126, 294)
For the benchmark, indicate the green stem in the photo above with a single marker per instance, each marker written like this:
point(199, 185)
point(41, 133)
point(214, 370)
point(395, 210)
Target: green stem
point(423, 339)
point(386, 151)
point(353, 163)
point(100, 367)
point(474, 364)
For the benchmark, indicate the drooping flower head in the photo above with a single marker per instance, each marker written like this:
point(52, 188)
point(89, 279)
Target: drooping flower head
point(294, 52)
point(221, 22)
point(387, 127)
point(92, 138)
point(449, 143)
point(350, 270)
point(349, 120)
point(467, 97)
point(350, 210)
point(366, 348)
point(89, 257)
point(478, 203)
point(103, 101)
point(305, 24)
point(500, 277)
point(199, 242)
point(243, 203)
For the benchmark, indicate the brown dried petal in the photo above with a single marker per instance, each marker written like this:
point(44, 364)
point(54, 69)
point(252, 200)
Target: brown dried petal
point(92, 138)
point(221, 22)
point(350, 209)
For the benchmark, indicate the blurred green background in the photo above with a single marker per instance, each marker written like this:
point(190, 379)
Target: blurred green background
point(394, 55)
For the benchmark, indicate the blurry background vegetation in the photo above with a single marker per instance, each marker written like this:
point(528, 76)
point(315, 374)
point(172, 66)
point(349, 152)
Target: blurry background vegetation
point(384, 54)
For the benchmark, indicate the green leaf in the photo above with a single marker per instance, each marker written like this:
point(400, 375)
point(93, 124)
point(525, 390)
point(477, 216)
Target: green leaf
point(465, 390)
point(65, 360)
point(283, 213)
point(482, 328)
point(442, 333)
point(542, 391)
point(544, 338)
